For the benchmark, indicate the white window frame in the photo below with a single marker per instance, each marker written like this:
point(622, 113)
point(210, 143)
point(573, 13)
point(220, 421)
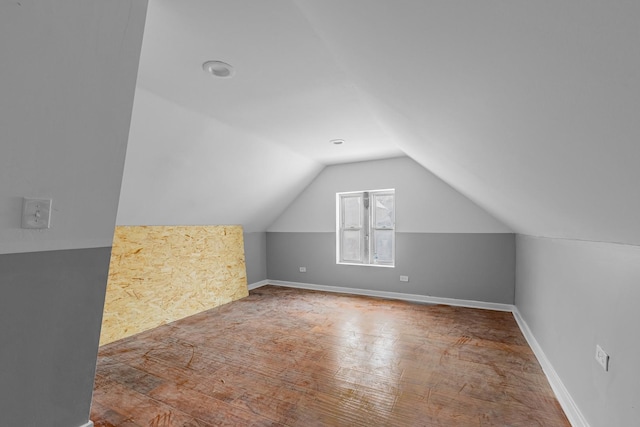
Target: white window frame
point(366, 228)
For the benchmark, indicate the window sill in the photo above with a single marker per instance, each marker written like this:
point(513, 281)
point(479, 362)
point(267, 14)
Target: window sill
point(365, 265)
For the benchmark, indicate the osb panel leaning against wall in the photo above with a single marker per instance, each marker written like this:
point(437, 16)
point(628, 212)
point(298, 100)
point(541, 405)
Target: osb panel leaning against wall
point(159, 274)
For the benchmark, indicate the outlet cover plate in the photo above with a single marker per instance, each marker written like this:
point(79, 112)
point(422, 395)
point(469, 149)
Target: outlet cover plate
point(404, 278)
point(36, 213)
point(602, 357)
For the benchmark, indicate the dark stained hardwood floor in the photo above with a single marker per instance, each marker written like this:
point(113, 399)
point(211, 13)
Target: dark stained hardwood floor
point(291, 357)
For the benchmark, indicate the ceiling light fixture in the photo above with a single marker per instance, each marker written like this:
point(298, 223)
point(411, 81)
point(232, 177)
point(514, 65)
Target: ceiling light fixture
point(337, 141)
point(218, 69)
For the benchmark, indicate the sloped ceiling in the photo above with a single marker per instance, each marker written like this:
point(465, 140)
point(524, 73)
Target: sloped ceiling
point(530, 109)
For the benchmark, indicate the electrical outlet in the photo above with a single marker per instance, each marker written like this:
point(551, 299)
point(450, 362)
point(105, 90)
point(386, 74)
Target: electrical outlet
point(303, 269)
point(602, 357)
point(404, 278)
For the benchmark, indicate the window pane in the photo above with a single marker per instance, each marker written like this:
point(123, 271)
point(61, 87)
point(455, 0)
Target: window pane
point(352, 211)
point(384, 211)
point(351, 249)
point(383, 246)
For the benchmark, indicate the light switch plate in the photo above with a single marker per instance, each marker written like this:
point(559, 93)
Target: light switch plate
point(36, 213)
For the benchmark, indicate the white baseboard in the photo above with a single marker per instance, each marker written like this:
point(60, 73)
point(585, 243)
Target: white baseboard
point(88, 424)
point(396, 295)
point(562, 394)
point(257, 284)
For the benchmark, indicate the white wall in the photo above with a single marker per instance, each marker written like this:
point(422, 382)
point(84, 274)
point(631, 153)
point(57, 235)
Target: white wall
point(574, 295)
point(67, 77)
point(424, 203)
point(186, 168)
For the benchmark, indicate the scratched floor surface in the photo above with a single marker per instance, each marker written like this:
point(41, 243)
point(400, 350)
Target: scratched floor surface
point(290, 357)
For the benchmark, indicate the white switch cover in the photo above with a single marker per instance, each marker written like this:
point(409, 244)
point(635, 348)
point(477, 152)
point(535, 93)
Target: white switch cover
point(404, 278)
point(36, 213)
point(602, 357)
point(303, 269)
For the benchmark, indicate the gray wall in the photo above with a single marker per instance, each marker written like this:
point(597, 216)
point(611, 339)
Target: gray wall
point(255, 254)
point(50, 312)
point(447, 245)
point(472, 266)
point(574, 295)
point(63, 135)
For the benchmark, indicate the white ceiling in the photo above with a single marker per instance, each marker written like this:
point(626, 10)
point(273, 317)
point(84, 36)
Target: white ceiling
point(287, 87)
point(531, 109)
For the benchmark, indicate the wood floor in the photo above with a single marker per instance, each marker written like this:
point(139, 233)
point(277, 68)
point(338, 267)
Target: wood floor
point(290, 357)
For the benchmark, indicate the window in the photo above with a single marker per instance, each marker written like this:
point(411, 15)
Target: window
point(365, 231)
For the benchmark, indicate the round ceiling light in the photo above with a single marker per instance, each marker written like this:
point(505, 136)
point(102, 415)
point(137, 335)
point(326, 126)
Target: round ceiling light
point(337, 141)
point(218, 69)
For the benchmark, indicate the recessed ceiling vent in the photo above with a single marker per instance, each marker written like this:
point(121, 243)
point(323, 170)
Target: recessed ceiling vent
point(218, 69)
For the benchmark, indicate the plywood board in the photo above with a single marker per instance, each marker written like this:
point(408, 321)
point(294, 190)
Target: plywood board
point(159, 274)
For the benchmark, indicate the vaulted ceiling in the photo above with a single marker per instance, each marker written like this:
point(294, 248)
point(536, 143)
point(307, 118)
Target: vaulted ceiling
point(531, 109)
